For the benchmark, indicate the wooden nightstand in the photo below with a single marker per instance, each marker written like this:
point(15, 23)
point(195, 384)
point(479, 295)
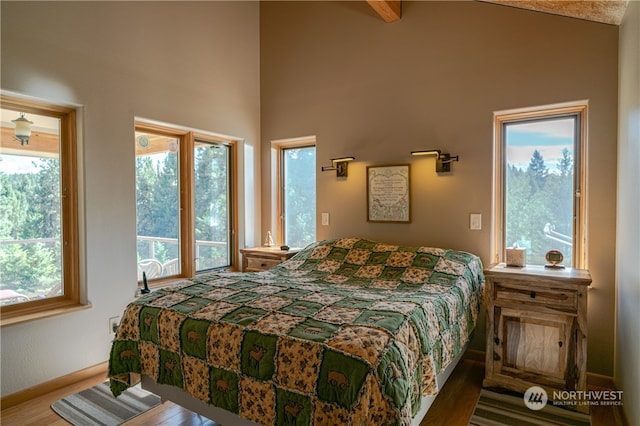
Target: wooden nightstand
point(536, 328)
point(262, 258)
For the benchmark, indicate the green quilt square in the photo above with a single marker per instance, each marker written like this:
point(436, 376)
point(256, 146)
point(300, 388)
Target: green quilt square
point(191, 305)
point(392, 273)
point(193, 337)
point(443, 279)
point(314, 330)
point(359, 281)
point(170, 369)
point(385, 319)
point(347, 269)
point(292, 408)
point(378, 258)
point(408, 287)
point(196, 289)
point(244, 315)
point(354, 303)
point(340, 379)
point(456, 338)
point(459, 256)
point(309, 265)
point(443, 313)
point(337, 253)
point(242, 297)
point(365, 244)
point(294, 293)
point(242, 285)
point(257, 358)
point(394, 377)
point(425, 260)
point(124, 358)
point(419, 321)
point(149, 297)
point(224, 389)
point(148, 320)
point(416, 391)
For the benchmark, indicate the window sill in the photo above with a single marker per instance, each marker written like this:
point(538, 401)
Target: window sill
point(19, 317)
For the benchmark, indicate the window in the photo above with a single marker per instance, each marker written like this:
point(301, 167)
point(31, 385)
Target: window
point(540, 193)
point(184, 202)
point(38, 211)
point(297, 191)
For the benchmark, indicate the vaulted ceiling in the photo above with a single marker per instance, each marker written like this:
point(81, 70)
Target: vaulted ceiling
point(604, 11)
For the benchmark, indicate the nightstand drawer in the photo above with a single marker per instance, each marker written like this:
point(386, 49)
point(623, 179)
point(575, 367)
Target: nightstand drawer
point(261, 264)
point(507, 292)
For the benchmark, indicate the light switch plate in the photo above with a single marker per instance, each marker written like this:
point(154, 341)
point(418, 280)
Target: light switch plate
point(325, 219)
point(475, 221)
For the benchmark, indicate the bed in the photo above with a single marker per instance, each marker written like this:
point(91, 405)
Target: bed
point(348, 331)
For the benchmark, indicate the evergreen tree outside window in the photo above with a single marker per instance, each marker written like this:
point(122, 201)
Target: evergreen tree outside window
point(299, 195)
point(157, 204)
point(294, 188)
point(540, 183)
point(212, 187)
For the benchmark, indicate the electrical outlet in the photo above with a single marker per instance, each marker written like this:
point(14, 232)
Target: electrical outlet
point(114, 322)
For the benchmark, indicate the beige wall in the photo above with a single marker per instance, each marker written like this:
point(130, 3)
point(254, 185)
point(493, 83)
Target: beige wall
point(433, 80)
point(168, 61)
point(627, 371)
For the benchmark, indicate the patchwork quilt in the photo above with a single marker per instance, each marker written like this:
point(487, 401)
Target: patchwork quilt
point(348, 331)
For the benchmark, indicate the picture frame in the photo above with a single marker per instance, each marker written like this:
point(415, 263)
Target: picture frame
point(389, 193)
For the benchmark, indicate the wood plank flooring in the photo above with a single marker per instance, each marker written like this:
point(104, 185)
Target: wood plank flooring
point(453, 406)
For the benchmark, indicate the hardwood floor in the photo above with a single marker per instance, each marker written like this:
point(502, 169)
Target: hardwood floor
point(453, 406)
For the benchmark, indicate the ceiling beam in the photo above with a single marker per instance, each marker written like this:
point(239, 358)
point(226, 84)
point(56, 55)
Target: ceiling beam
point(389, 10)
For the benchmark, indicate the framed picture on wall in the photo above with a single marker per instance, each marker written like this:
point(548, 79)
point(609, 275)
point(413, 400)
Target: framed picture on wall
point(388, 194)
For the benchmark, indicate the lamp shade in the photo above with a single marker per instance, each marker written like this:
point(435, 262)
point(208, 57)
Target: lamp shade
point(23, 129)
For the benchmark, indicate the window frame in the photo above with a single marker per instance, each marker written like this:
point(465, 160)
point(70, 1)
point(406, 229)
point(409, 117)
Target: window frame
point(186, 199)
point(280, 147)
point(70, 297)
point(502, 118)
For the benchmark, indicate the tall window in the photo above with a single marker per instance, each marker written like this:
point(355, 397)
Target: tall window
point(540, 183)
point(184, 202)
point(38, 209)
point(212, 190)
point(157, 204)
point(297, 192)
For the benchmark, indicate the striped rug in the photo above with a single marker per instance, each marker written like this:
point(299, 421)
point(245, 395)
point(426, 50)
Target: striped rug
point(496, 409)
point(97, 406)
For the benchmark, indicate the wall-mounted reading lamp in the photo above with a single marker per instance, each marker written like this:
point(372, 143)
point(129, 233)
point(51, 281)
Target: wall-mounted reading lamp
point(443, 160)
point(340, 165)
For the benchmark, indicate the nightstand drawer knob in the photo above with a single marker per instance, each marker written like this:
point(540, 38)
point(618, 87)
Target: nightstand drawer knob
point(533, 294)
point(497, 341)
